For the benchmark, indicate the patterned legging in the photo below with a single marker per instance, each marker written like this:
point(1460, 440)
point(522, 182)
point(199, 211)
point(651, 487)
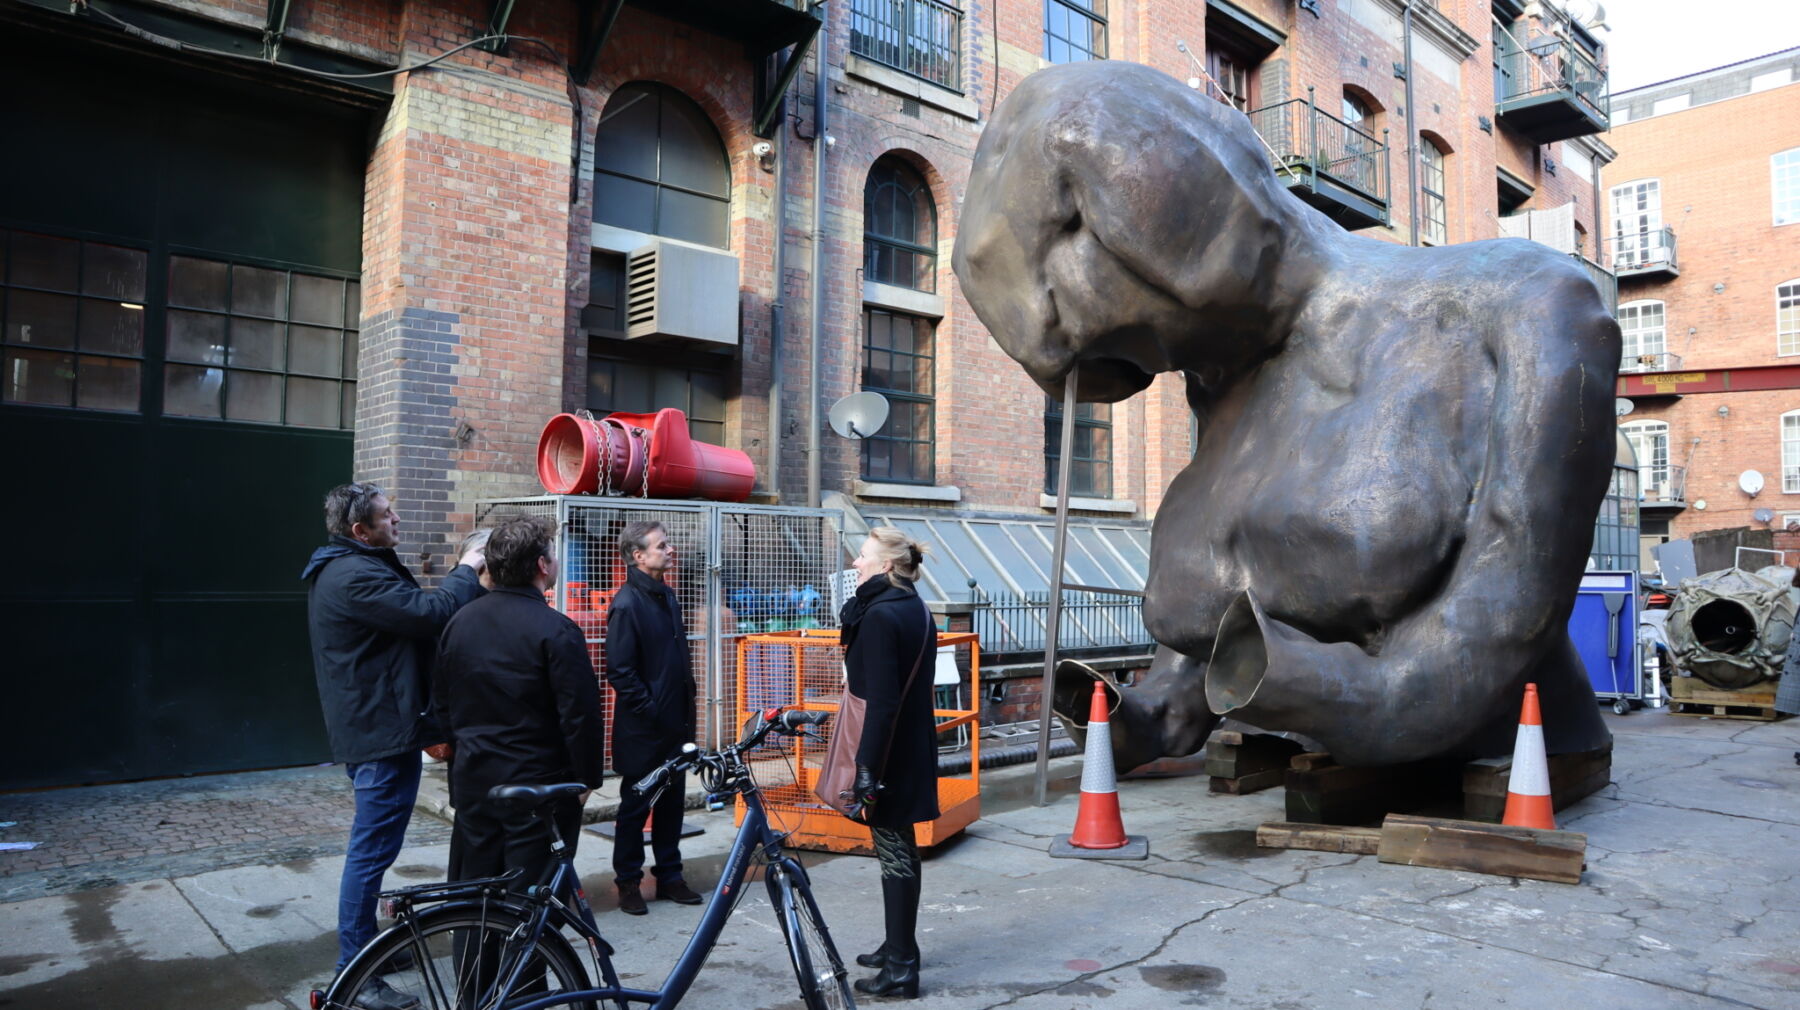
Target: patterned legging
point(897, 852)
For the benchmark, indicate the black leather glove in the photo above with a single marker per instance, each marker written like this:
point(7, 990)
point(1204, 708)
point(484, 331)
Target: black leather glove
point(864, 790)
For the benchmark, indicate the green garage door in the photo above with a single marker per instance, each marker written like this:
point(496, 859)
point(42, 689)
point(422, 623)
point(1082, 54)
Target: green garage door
point(179, 254)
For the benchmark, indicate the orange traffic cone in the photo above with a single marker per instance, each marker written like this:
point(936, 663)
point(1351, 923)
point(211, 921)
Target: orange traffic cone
point(1099, 831)
point(1528, 802)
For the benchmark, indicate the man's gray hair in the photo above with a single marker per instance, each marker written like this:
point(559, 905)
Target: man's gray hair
point(349, 504)
point(636, 537)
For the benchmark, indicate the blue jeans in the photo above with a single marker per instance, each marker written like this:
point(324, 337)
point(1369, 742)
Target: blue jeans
point(385, 791)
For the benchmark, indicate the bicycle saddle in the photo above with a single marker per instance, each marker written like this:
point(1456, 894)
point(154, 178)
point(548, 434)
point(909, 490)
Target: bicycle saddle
point(532, 797)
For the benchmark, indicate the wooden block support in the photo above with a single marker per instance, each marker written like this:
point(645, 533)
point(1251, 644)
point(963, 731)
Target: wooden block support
point(1318, 837)
point(1321, 792)
point(1557, 856)
point(1573, 777)
point(1693, 696)
point(1241, 763)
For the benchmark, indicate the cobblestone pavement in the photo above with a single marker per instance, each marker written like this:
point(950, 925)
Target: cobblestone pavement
point(102, 836)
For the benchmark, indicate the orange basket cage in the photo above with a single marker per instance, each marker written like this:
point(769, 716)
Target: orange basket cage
point(805, 669)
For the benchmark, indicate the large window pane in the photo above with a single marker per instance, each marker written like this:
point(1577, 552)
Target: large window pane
point(660, 167)
point(315, 351)
point(625, 203)
point(108, 383)
point(318, 300)
point(42, 377)
point(626, 140)
point(258, 292)
point(112, 328)
point(192, 392)
point(258, 344)
point(313, 403)
point(994, 538)
point(253, 396)
point(39, 319)
point(196, 336)
point(692, 218)
point(199, 284)
point(45, 261)
point(112, 271)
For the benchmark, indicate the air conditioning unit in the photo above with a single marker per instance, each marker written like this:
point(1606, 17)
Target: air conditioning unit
point(682, 292)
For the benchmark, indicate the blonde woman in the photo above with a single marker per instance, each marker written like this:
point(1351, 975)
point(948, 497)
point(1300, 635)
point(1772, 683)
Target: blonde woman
point(887, 633)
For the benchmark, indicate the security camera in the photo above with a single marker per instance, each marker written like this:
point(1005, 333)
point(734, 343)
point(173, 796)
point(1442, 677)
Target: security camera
point(762, 149)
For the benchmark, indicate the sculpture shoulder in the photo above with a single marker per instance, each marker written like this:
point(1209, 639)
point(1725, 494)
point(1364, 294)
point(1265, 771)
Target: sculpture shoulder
point(1537, 301)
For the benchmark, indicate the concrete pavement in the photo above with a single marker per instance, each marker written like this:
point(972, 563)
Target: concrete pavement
point(1690, 900)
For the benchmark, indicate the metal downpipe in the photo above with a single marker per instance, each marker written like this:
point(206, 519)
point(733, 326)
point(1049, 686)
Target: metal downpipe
point(815, 338)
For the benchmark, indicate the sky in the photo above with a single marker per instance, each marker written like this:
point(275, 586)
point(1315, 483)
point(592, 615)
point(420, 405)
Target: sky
point(1654, 40)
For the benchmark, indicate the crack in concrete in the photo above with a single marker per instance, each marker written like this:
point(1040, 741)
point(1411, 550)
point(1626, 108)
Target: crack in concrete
point(224, 945)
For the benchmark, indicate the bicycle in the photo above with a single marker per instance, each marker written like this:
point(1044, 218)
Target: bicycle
point(482, 945)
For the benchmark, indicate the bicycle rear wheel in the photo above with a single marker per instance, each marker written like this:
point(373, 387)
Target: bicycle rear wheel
point(456, 959)
point(824, 984)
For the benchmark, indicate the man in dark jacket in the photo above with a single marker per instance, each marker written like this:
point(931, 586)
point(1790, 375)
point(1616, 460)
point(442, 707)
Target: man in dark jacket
point(373, 631)
point(648, 665)
point(516, 690)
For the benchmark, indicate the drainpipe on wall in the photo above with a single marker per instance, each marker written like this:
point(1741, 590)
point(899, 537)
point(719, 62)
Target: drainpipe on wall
point(821, 144)
point(778, 307)
point(1412, 127)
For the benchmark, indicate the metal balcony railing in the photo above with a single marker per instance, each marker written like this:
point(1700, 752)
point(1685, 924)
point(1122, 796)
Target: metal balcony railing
point(919, 37)
point(1662, 485)
point(1604, 279)
point(1644, 251)
point(1305, 139)
point(1661, 361)
point(1549, 66)
point(1010, 624)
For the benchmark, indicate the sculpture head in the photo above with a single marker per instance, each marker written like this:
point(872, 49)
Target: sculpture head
point(1119, 218)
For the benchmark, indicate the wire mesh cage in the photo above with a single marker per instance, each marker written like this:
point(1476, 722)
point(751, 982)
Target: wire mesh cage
point(804, 668)
point(738, 569)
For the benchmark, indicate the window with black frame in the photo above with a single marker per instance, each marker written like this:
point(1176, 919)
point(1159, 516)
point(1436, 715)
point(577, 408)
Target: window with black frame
point(920, 37)
point(899, 227)
point(1074, 30)
point(1434, 219)
point(625, 378)
point(660, 167)
point(1092, 455)
point(898, 363)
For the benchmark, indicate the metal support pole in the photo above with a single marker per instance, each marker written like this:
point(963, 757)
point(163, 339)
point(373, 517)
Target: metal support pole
point(1412, 132)
point(1053, 629)
point(816, 334)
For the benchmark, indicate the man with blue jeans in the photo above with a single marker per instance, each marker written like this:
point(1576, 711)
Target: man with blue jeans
point(374, 631)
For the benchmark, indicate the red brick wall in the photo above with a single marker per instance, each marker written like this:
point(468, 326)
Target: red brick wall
point(1713, 164)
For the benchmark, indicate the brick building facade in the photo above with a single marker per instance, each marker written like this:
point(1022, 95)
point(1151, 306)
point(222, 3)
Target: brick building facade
point(1704, 226)
point(509, 198)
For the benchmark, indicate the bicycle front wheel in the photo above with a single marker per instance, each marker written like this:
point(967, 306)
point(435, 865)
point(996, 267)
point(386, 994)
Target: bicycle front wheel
point(459, 959)
point(824, 984)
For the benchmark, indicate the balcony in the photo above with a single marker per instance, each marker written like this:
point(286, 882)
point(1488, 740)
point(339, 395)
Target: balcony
point(1648, 254)
point(1551, 90)
point(1605, 280)
point(922, 38)
point(1330, 164)
point(1662, 490)
point(1662, 361)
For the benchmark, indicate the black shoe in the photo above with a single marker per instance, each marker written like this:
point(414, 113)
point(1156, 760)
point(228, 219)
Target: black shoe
point(378, 995)
point(898, 978)
point(678, 892)
point(876, 958)
point(631, 900)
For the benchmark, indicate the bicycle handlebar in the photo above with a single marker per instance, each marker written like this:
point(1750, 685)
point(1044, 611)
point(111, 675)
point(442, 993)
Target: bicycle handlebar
point(788, 722)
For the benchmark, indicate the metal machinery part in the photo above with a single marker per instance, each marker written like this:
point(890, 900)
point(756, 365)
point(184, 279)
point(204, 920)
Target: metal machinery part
point(1731, 628)
point(1400, 451)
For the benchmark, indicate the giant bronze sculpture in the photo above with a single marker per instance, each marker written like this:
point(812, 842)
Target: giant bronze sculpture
point(1401, 451)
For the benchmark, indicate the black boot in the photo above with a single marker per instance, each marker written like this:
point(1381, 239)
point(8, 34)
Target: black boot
point(874, 959)
point(899, 975)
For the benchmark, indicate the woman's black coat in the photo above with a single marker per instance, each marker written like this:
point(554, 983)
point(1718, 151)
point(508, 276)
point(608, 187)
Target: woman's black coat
point(648, 666)
point(886, 630)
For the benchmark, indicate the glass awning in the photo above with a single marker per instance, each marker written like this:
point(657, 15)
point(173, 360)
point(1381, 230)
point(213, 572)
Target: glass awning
point(983, 558)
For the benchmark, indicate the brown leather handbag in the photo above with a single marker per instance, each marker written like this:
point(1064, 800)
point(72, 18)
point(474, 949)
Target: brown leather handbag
point(837, 775)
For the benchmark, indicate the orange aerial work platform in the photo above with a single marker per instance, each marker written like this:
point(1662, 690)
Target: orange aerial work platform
point(805, 669)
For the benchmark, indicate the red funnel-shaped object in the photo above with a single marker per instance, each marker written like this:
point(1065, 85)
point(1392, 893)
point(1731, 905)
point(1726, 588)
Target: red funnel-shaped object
point(639, 454)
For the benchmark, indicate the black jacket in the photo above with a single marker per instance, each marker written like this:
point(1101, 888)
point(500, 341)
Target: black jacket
point(648, 665)
point(886, 630)
point(373, 634)
point(516, 691)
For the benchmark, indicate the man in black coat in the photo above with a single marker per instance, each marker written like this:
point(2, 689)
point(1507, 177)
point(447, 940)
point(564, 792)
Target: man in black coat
point(516, 690)
point(373, 632)
point(648, 666)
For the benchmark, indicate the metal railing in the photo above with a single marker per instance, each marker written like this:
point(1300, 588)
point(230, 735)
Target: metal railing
point(919, 37)
point(1011, 624)
point(1604, 279)
point(1660, 361)
point(1552, 65)
point(1665, 484)
point(1304, 138)
point(1638, 251)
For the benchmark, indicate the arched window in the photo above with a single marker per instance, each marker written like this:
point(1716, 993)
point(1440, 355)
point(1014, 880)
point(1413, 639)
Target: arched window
point(1361, 159)
point(1650, 440)
point(1645, 332)
point(1787, 317)
point(1434, 223)
point(1637, 228)
point(660, 168)
point(1790, 452)
point(899, 227)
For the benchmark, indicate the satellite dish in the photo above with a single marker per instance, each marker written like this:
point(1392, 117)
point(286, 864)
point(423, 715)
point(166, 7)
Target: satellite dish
point(859, 415)
point(1751, 482)
point(1764, 515)
point(1622, 406)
